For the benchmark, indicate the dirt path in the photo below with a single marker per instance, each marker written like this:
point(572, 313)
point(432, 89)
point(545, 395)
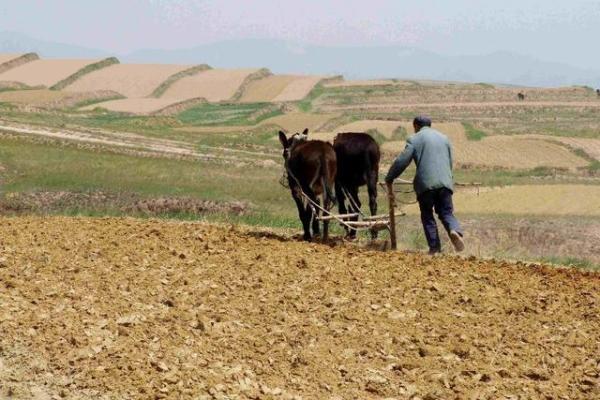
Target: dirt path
point(128, 309)
point(135, 142)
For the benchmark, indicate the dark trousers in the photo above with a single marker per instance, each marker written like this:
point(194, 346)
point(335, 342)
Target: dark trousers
point(439, 200)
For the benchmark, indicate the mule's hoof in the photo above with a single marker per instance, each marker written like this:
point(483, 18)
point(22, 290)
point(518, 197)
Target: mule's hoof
point(351, 238)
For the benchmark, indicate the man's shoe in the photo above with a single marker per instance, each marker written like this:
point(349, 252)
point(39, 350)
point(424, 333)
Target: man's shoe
point(457, 241)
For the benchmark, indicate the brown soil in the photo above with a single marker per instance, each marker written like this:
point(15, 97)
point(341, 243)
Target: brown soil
point(45, 72)
point(123, 308)
point(53, 99)
point(130, 80)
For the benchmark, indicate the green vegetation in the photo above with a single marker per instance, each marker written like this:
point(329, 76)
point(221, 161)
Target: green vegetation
point(84, 71)
point(306, 105)
point(163, 87)
point(400, 133)
point(472, 132)
point(260, 74)
point(89, 102)
point(594, 167)
point(224, 114)
point(571, 262)
point(47, 167)
point(378, 136)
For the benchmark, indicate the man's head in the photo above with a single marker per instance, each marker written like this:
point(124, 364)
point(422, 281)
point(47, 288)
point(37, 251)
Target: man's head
point(420, 122)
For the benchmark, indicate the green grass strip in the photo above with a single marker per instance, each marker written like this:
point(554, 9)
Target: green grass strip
point(84, 71)
point(472, 132)
point(163, 87)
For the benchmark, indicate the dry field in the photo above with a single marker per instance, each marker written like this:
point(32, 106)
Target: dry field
point(142, 106)
point(528, 200)
point(46, 72)
point(214, 85)
point(386, 128)
point(296, 122)
point(290, 122)
point(354, 83)
point(590, 146)
point(55, 99)
point(298, 88)
point(435, 94)
point(279, 88)
point(130, 80)
point(519, 152)
point(123, 308)
point(8, 57)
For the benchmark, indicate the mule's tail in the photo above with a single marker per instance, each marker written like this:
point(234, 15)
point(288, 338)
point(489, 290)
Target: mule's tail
point(328, 192)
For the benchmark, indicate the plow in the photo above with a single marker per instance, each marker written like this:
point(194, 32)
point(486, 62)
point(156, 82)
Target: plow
point(358, 221)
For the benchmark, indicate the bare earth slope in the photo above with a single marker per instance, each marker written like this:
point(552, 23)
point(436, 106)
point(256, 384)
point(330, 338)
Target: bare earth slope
point(213, 85)
point(279, 88)
point(130, 80)
point(45, 72)
point(520, 152)
point(122, 308)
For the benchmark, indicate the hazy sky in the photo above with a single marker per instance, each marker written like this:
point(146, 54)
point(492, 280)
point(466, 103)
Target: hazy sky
point(548, 29)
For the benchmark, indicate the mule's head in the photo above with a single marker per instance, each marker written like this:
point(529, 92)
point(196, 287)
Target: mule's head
point(289, 143)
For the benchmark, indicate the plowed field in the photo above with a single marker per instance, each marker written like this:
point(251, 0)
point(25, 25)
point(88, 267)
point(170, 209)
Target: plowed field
point(128, 309)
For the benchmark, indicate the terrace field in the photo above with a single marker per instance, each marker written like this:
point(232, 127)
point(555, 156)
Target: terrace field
point(536, 158)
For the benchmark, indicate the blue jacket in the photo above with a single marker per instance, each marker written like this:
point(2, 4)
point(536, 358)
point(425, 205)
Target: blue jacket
point(432, 153)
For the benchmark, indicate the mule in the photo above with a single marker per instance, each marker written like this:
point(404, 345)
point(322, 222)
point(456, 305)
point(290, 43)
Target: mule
point(358, 158)
point(311, 168)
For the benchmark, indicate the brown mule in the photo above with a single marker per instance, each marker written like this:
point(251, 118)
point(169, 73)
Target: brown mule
point(311, 168)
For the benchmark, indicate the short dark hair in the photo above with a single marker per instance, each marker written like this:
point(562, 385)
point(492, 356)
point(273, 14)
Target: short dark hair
point(422, 120)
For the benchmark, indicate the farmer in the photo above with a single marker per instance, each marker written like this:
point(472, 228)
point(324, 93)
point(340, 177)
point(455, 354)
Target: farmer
point(433, 183)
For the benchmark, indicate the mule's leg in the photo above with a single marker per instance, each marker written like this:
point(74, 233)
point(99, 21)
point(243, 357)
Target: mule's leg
point(372, 189)
point(326, 205)
point(341, 199)
point(309, 211)
point(354, 202)
point(304, 217)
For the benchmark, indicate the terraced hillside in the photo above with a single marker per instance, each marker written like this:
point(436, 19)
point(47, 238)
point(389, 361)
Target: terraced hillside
point(10, 61)
point(279, 88)
point(130, 80)
point(46, 72)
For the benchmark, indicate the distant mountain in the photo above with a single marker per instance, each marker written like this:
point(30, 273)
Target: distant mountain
point(376, 62)
point(12, 42)
point(352, 62)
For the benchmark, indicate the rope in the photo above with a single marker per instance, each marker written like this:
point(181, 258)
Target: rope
point(313, 204)
point(353, 204)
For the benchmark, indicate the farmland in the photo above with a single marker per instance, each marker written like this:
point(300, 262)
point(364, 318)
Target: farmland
point(125, 308)
point(148, 249)
point(45, 73)
point(534, 158)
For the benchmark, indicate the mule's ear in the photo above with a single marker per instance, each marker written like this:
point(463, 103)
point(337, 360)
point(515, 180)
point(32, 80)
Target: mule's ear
point(283, 139)
point(305, 132)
